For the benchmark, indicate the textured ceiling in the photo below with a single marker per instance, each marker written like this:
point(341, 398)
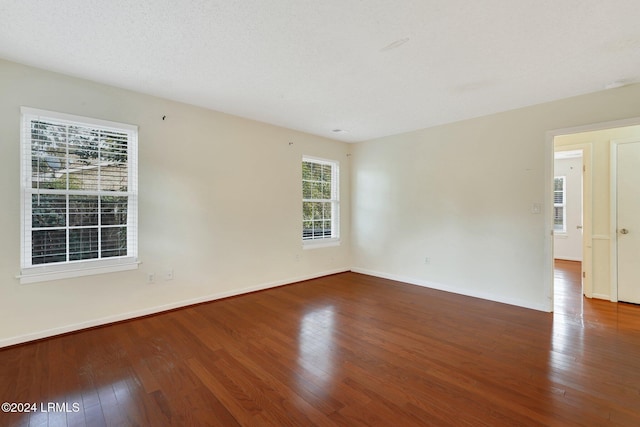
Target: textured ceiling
point(369, 67)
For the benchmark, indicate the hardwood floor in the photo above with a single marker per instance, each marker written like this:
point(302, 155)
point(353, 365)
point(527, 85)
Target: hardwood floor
point(347, 350)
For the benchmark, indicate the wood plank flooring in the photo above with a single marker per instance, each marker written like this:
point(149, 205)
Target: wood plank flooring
point(344, 350)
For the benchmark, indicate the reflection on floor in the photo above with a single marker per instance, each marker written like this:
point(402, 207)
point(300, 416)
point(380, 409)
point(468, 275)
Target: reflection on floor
point(571, 305)
point(568, 298)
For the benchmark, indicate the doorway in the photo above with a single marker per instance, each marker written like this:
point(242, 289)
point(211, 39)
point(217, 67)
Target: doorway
point(572, 213)
point(568, 242)
point(567, 204)
point(599, 265)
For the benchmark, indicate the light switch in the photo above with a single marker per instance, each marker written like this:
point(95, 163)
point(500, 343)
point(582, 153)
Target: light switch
point(536, 208)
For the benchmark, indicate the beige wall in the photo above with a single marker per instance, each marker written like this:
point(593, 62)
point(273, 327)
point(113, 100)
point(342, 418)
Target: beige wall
point(462, 195)
point(600, 142)
point(220, 204)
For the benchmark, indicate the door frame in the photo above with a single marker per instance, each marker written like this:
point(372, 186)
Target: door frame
point(587, 212)
point(613, 204)
point(548, 194)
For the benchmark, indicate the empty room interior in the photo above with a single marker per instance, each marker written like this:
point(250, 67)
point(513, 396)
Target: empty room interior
point(320, 213)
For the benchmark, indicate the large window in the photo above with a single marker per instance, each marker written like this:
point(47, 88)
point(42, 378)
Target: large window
point(320, 201)
point(79, 193)
point(559, 204)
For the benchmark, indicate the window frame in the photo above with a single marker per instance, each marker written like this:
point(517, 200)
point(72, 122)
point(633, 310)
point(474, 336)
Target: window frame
point(33, 273)
point(562, 205)
point(334, 239)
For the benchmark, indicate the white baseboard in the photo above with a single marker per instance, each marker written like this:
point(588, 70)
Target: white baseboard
point(601, 296)
point(453, 289)
point(158, 309)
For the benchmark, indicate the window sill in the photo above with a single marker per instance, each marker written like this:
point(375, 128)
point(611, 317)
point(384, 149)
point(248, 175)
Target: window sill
point(320, 243)
point(44, 273)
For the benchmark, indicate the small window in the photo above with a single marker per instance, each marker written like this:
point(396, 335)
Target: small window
point(559, 204)
point(79, 194)
point(320, 201)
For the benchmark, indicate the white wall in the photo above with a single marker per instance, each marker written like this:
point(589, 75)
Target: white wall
point(220, 204)
point(567, 245)
point(462, 195)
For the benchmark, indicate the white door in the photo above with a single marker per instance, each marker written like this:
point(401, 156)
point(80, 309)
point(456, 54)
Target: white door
point(628, 221)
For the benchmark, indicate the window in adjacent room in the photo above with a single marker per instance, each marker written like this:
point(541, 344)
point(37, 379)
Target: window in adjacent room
point(559, 204)
point(320, 201)
point(79, 196)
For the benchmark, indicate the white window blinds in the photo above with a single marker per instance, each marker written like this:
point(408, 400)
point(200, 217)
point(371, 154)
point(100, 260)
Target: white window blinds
point(79, 189)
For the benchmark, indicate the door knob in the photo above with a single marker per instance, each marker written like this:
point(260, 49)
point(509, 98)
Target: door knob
point(624, 231)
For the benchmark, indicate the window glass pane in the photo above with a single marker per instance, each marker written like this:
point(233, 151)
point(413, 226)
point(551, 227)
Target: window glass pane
point(307, 210)
point(48, 246)
point(114, 148)
point(326, 191)
point(83, 210)
point(48, 210)
point(317, 210)
point(83, 158)
point(326, 210)
point(317, 229)
point(306, 190)
point(558, 197)
point(307, 229)
point(113, 161)
point(113, 177)
point(557, 184)
point(114, 210)
point(48, 155)
point(316, 172)
point(326, 173)
point(306, 170)
point(558, 190)
point(114, 241)
point(558, 218)
point(316, 190)
point(83, 244)
point(326, 228)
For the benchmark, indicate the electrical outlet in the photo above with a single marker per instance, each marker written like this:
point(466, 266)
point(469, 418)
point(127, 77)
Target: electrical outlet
point(168, 275)
point(427, 260)
point(151, 278)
